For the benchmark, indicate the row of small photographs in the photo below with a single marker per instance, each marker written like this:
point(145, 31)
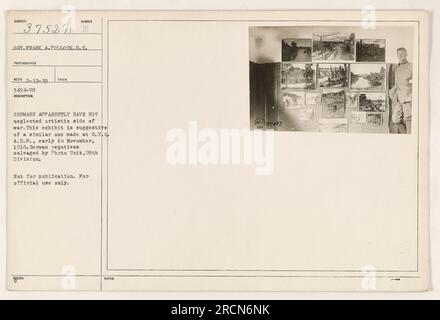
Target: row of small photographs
point(337, 99)
point(333, 46)
point(335, 75)
point(341, 125)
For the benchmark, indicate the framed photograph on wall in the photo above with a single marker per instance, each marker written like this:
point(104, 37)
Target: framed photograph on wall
point(370, 50)
point(331, 75)
point(298, 75)
point(333, 46)
point(367, 76)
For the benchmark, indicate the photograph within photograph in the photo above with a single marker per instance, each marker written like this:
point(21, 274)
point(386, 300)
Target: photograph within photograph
point(298, 76)
point(333, 125)
point(313, 98)
point(374, 119)
point(370, 50)
point(367, 76)
point(400, 93)
point(333, 105)
point(351, 100)
point(293, 99)
point(306, 114)
point(333, 46)
point(296, 50)
point(332, 75)
point(377, 79)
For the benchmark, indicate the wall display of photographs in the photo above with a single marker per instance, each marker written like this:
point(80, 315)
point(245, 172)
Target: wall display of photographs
point(313, 98)
point(358, 117)
point(332, 75)
point(333, 103)
point(372, 101)
point(296, 50)
point(367, 76)
point(298, 76)
point(351, 100)
point(375, 119)
point(351, 75)
point(370, 50)
point(333, 46)
point(293, 99)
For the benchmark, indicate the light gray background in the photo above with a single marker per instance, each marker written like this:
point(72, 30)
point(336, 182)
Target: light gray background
point(432, 5)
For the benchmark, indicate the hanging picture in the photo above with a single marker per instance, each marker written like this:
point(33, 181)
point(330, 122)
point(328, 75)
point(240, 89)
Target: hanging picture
point(372, 101)
point(298, 76)
point(333, 105)
point(331, 75)
point(294, 99)
point(296, 50)
point(333, 125)
point(369, 76)
point(351, 100)
point(370, 50)
point(333, 46)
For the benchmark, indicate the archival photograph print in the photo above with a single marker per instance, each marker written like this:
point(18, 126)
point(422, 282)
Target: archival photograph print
point(351, 100)
point(332, 75)
point(370, 50)
point(367, 76)
point(374, 119)
point(298, 76)
point(306, 114)
point(333, 46)
point(313, 98)
point(333, 125)
point(333, 105)
point(293, 99)
point(338, 72)
point(400, 93)
point(296, 50)
point(372, 101)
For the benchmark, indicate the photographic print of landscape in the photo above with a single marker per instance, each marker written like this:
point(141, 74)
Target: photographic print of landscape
point(296, 50)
